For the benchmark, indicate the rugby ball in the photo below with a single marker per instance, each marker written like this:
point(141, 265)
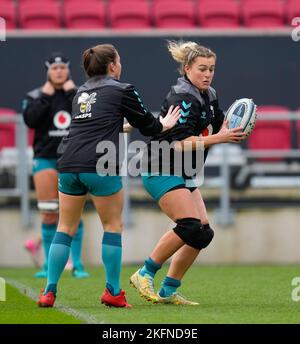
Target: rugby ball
point(242, 113)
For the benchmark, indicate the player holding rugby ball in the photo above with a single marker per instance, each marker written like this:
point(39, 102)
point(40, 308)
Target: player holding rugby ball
point(201, 121)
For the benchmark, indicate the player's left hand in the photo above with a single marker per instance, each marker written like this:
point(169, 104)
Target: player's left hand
point(127, 128)
point(234, 135)
point(68, 85)
point(171, 118)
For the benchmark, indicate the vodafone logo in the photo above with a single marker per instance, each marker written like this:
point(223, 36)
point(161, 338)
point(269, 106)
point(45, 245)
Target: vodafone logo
point(62, 120)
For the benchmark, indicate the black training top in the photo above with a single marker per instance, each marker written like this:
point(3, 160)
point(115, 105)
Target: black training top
point(200, 114)
point(50, 117)
point(98, 112)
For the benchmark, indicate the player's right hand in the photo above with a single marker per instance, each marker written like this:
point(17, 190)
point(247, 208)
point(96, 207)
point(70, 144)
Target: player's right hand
point(69, 85)
point(48, 89)
point(234, 135)
point(171, 118)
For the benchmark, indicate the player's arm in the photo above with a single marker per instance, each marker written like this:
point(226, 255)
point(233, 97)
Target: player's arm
point(225, 135)
point(139, 117)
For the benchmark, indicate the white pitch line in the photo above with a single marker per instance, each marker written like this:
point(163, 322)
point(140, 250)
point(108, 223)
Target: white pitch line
point(29, 292)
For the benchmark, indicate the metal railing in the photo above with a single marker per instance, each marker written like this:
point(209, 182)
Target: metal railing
point(224, 160)
point(224, 214)
point(21, 188)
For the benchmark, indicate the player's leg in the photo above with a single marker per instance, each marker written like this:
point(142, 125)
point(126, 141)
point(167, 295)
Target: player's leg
point(185, 256)
point(109, 209)
point(45, 181)
point(76, 249)
point(70, 209)
point(72, 195)
point(182, 260)
point(179, 206)
point(107, 196)
point(33, 247)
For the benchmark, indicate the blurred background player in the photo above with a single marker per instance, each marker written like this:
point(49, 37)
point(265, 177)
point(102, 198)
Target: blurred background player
point(47, 110)
point(178, 197)
point(98, 114)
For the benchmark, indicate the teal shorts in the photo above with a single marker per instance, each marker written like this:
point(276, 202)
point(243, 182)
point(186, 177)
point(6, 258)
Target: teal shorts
point(40, 164)
point(77, 184)
point(158, 185)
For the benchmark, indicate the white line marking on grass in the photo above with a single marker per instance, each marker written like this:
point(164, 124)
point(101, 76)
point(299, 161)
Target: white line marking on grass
point(27, 291)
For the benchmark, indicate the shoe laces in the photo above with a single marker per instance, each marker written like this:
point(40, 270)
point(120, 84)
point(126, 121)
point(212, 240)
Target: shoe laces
point(180, 296)
point(184, 298)
point(149, 282)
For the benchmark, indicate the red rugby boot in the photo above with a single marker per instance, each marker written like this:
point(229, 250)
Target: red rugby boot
point(46, 300)
point(115, 301)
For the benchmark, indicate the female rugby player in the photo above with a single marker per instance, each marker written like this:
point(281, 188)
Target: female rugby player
point(47, 110)
point(98, 112)
point(201, 122)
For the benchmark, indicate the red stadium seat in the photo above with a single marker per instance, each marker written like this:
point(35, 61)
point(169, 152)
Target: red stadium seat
point(298, 133)
point(7, 135)
point(8, 12)
point(7, 130)
point(174, 14)
point(218, 13)
point(130, 14)
point(30, 137)
point(7, 111)
point(157, 1)
point(271, 134)
point(292, 10)
point(298, 130)
point(73, 1)
point(36, 17)
point(84, 15)
point(263, 14)
point(39, 1)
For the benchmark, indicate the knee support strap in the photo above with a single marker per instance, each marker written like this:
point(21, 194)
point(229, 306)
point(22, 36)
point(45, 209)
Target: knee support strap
point(50, 206)
point(193, 233)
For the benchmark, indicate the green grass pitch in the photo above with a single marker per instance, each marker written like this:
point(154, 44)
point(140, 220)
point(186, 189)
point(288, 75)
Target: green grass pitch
point(227, 294)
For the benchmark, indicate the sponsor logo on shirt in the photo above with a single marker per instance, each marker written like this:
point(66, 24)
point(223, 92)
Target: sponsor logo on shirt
point(86, 101)
point(207, 131)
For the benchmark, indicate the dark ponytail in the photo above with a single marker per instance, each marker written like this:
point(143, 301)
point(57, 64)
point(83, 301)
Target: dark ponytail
point(96, 59)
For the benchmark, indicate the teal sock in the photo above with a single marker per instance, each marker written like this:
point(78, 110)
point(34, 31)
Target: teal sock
point(48, 232)
point(111, 257)
point(150, 268)
point(169, 286)
point(58, 256)
point(77, 246)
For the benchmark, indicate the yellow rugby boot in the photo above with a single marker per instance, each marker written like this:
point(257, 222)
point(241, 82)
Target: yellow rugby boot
point(144, 285)
point(176, 299)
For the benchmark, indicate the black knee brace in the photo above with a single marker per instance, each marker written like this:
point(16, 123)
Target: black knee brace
point(193, 233)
